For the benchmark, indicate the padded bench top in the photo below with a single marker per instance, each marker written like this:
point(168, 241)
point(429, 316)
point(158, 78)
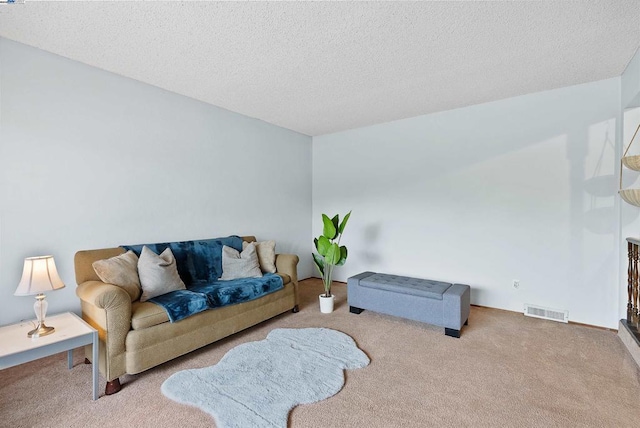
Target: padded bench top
point(406, 285)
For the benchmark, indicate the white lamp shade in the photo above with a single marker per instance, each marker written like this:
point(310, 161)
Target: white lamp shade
point(38, 276)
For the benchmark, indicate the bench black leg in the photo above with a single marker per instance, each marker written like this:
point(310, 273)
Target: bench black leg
point(295, 309)
point(452, 332)
point(355, 310)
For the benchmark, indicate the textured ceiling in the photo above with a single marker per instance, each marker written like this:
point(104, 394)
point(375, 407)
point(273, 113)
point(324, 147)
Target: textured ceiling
point(322, 67)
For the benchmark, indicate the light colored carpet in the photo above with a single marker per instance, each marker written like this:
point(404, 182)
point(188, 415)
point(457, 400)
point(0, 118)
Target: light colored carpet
point(506, 370)
point(257, 383)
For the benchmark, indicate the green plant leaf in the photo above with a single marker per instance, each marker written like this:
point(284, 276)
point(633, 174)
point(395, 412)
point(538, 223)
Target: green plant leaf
point(329, 230)
point(335, 220)
point(343, 256)
point(319, 263)
point(333, 254)
point(315, 242)
point(344, 222)
point(323, 245)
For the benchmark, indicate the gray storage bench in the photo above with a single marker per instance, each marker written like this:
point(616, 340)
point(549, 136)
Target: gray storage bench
point(439, 303)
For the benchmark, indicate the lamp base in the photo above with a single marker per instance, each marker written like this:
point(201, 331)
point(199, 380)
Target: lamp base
point(40, 330)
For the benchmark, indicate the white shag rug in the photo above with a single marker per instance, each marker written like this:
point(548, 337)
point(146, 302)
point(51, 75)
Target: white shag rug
point(256, 384)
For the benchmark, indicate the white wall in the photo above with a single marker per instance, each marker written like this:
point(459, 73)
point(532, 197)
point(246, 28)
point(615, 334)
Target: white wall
point(523, 188)
point(629, 214)
point(89, 159)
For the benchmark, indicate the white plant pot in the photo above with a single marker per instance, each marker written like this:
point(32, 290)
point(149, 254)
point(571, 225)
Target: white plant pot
point(326, 304)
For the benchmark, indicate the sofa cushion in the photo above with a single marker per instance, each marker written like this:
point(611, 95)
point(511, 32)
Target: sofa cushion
point(237, 264)
point(406, 285)
point(266, 255)
point(222, 293)
point(147, 314)
point(158, 273)
point(197, 261)
point(122, 271)
point(180, 304)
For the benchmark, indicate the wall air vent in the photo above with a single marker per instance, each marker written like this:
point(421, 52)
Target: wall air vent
point(546, 313)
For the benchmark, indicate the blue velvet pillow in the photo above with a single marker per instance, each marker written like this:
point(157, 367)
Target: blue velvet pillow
point(197, 261)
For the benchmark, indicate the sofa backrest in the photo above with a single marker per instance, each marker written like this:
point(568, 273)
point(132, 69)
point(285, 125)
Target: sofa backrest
point(83, 260)
point(198, 261)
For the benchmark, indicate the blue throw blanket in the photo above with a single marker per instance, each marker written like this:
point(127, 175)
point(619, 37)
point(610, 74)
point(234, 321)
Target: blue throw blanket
point(223, 293)
point(202, 296)
point(180, 304)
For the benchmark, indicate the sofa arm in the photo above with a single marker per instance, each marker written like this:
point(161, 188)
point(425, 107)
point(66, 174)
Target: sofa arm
point(288, 264)
point(107, 308)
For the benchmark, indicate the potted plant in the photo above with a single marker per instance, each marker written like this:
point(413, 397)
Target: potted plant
point(330, 254)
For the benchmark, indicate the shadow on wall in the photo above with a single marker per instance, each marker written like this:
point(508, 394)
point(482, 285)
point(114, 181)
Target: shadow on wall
point(601, 192)
point(442, 143)
point(593, 220)
point(371, 235)
point(597, 219)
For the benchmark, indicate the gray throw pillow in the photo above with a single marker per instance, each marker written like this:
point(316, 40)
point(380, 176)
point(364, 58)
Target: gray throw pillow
point(158, 273)
point(240, 265)
point(266, 255)
point(122, 271)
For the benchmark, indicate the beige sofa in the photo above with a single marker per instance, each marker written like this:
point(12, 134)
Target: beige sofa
point(137, 336)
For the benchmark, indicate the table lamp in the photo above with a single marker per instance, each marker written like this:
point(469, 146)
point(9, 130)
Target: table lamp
point(38, 276)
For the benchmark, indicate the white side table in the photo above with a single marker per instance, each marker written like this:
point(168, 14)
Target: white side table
point(71, 332)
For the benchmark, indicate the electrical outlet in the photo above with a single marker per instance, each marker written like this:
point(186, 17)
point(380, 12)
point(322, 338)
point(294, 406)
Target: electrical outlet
point(516, 283)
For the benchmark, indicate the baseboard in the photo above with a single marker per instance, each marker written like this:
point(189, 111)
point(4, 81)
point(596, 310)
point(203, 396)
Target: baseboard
point(505, 310)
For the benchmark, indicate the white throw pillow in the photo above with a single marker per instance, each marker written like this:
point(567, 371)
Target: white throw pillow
point(158, 273)
point(240, 265)
point(122, 271)
point(266, 255)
